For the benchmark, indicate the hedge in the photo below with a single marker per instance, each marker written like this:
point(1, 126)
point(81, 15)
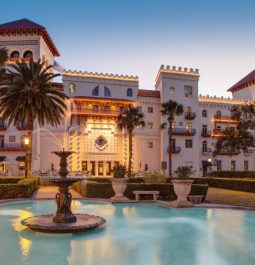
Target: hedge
point(23, 189)
point(233, 174)
point(108, 180)
point(92, 189)
point(9, 180)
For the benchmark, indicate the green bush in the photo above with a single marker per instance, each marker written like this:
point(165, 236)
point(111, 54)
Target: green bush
point(9, 180)
point(92, 189)
point(233, 174)
point(154, 178)
point(23, 189)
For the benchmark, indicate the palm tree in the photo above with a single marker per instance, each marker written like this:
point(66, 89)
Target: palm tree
point(28, 94)
point(130, 119)
point(3, 59)
point(170, 108)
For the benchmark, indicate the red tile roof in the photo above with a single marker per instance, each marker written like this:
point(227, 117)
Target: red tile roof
point(148, 93)
point(247, 80)
point(25, 26)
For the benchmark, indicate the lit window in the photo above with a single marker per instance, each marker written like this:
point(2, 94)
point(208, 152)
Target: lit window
point(233, 165)
point(150, 144)
point(188, 143)
point(95, 91)
point(107, 92)
point(188, 91)
point(95, 108)
point(12, 139)
point(246, 165)
point(14, 54)
point(72, 88)
point(150, 125)
point(130, 92)
point(28, 55)
point(150, 109)
point(189, 125)
point(171, 90)
point(204, 113)
point(107, 108)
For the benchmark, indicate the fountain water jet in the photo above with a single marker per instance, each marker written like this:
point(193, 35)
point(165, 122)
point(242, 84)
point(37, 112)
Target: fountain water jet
point(63, 221)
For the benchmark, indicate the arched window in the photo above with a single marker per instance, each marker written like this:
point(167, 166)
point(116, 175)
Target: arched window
point(204, 113)
point(28, 55)
point(204, 146)
point(95, 91)
point(107, 92)
point(72, 88)
point(171, 90)
point(130, 92)
point(218, 113)
point(14, 54)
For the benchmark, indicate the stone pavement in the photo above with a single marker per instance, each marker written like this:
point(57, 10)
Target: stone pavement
point(231, 197)
point(49, 192)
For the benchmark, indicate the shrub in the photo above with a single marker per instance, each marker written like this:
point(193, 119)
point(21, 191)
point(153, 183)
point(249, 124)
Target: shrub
point(234, 174)
point(119, 171)
point(184, 172)
point(9, 180)
point(155, 178)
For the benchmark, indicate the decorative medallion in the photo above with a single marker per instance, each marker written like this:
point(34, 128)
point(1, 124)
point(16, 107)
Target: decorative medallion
point(101, 143)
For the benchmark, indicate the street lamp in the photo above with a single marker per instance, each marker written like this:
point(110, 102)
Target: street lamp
point(26, 142)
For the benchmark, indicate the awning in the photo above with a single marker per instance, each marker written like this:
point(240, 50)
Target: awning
point(21, 158)
point(2, 158)
point(206, 163)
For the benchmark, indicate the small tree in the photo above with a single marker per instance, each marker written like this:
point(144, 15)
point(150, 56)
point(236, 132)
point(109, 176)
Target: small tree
point(170, 109)
point(184, 172)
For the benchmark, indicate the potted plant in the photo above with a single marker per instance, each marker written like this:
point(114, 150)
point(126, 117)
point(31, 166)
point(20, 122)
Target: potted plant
point(182, 186)
point(119, 182)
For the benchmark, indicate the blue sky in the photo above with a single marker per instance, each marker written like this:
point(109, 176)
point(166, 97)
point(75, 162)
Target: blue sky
point(137, 36)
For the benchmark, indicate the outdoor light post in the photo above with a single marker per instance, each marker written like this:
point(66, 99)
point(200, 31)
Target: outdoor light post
point(26, 142)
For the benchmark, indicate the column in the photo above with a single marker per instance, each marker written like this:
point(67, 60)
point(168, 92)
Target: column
point(96, 168)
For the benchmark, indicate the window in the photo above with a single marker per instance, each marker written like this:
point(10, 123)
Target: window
point(1, 141)
point(95, 91)
point(218, 127)
point(204, 113)
point(233, 165)
point(218, 114)
point(218, 165)
point(246, 165)
point(107, 108)
point(204, 129)
point(14, 54)
point(150, 125)
point(173, 144)
point(122, 109)
point(130, 92)
point(12, 139)
point(95, 108)
point(171, 90)
point(188, 91)
point(150, 144)
point(188, 143)
point(28, 55)
point(72, 88)
point(204, 146)
point(107, 92)
point(180, 123)
point(189, 125)
point(150, 109)
point(140, 109)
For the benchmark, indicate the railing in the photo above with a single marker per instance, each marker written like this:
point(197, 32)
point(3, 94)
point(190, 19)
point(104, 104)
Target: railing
point(206, 150)
point(217, 133)
point(174, 149)
point(206, 133)
point(183, 131)
point(247, 152)
point(223, 119)
point(227, 151)
point(99, 111)
point(22, 126)
point(190, 115)
point(12, 147)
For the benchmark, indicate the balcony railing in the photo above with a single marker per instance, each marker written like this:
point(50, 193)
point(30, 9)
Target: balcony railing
point(96, 112)
point(223, 119)
point(12, 147)
point(206, 151)
point(206, 133)
point(247, 152)
point(183, 131)
point(190, 115)
point(217, 133)
point(174, 149)
point(227, 151)
point(22, 126)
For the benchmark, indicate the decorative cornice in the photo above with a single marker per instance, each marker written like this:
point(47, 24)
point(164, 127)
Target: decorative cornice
point(222, 100)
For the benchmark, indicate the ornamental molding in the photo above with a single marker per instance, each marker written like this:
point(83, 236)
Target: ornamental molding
point(19, 42)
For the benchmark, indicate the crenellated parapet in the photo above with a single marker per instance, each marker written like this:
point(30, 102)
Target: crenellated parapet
point(222, 100)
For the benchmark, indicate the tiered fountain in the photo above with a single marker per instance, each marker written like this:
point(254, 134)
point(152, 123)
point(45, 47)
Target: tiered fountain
point(63, 221)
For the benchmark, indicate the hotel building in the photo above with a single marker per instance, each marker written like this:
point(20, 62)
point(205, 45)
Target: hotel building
point(95, 101)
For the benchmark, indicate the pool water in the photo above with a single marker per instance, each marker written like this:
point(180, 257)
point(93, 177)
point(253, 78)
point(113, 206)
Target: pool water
point(135, 234)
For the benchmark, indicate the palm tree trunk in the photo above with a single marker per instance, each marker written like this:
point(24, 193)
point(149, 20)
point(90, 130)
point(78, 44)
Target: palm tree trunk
point(170, 132)
point(29, 146)
point(130, 136)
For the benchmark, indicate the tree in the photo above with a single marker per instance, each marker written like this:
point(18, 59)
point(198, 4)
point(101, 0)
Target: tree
point(239, 138)
point(28, 94)
point(130, 119)
point(170, 109)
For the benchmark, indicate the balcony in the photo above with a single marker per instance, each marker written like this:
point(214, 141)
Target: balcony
point(190, 115)
point(223, 119)
point(217, 133)
point(96, 112)
point(174, 149)
point(183, 131)
point(22, 126)
point(206, 133)
point(206, 151)
point(12, 147)
point(227, 151)
point(247, 152)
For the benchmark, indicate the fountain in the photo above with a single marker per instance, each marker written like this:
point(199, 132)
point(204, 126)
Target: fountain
point(63, 221)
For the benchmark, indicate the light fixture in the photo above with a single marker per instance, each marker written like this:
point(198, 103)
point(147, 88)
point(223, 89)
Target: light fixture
point(26, 141)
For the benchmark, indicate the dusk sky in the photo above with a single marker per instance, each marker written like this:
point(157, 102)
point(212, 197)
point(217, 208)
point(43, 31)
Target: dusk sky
point(136, 36)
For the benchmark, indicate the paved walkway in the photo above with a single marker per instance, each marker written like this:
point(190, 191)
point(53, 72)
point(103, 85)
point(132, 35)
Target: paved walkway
point(49, 192)
point(231, 197)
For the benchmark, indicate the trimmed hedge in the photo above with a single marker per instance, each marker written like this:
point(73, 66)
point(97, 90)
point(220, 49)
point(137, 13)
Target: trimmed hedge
point(92, 189)
point(23, 189)
point(9, 180)
point(233, 174)
point(108, 180)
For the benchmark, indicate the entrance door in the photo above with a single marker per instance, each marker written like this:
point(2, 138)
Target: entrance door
point(100, 168)
point(108, 168)
point(92, 168)
point(204, 169)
